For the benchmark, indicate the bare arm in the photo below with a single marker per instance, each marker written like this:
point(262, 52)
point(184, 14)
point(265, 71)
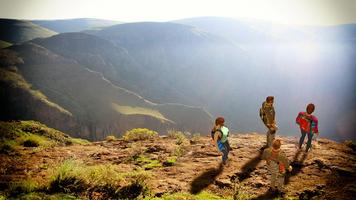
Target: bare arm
point(284, 160)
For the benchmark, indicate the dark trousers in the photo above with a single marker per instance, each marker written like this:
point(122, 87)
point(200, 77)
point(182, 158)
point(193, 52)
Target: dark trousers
point(309, 143)
point(225, 151)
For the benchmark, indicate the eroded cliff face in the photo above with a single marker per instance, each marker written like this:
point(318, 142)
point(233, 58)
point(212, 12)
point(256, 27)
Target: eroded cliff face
point(37, 84)
point(19, 102)
point(326, 172)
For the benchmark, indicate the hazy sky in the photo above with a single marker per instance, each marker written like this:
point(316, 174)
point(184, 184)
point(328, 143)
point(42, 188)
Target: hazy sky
point(308, 12)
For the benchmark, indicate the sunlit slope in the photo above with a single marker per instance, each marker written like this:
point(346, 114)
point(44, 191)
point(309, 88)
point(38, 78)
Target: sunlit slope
point(182, 63)
point(102, 107)
point(18, 31)
point(4, 44)
point(99, 55)
point(19, 100)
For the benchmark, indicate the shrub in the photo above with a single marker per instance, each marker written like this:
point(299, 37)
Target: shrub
point(31, 143)
point(137, 187)
point(180, 136)
point(110, 138)
point(132, 186)
point(7, 146)
point(147, 163)
point(73, 176)
point(139, 134)
point(31, 140)
point(68, 177)
point(186, 196)
point(25, 186)
point(133, 191)
point(195, 138)
point(77, 141)
point(103, 175)
point(179, 151)
point(170, 161)
point(40, 196)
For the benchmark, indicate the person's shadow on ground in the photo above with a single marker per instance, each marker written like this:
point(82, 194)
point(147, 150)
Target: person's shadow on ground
point(248, 167)
point(267, 195)
point(297, 166)
point(205, 179)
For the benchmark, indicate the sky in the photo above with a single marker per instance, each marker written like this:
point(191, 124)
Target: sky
point(293, 12)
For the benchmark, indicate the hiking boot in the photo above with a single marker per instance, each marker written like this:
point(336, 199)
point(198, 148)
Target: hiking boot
point(280, 192)
point(272, 190)
point(225, 163)
point(263, 147)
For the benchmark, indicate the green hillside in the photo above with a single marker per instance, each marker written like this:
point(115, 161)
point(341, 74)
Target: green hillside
point(99, 55)
point(101, 107)
point(4, 44)
point(20, 100)
point(18, 31)
point(15, 134)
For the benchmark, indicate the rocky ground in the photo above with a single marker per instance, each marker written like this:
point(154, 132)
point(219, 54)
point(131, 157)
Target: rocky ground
point(328, 171)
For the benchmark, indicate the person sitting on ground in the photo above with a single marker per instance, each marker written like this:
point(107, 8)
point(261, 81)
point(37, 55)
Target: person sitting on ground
point(308, 124)
point(220, 135)
point(277, 164)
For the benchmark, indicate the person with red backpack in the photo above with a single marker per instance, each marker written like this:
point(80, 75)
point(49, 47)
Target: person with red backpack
point(219, 135)
point(308, 124)
point(277, 164)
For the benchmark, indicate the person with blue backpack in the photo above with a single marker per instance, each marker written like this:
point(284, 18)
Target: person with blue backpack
point(220, 134)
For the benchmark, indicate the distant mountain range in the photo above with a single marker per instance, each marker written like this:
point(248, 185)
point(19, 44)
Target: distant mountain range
point(74, 25)
point(107, 78)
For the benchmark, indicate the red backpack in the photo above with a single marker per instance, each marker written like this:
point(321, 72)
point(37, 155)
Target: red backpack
point(304, 121)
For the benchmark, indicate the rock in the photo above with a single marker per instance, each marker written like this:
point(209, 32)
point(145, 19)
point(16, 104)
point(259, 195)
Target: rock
point(320, 163)
point(153, 149)
point(350, 144)
point(258, 184)
point(241, 176)
point(223, 183)
point(308, 194)
point(95, 156)
point(159, 194)
point(320, 186)
point(192, 142)
point(351, 188)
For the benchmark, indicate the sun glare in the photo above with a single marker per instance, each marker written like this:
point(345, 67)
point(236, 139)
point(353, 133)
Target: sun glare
point(301, 12)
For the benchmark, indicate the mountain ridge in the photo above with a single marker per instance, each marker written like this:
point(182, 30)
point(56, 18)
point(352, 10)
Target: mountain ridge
point(74, 25)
